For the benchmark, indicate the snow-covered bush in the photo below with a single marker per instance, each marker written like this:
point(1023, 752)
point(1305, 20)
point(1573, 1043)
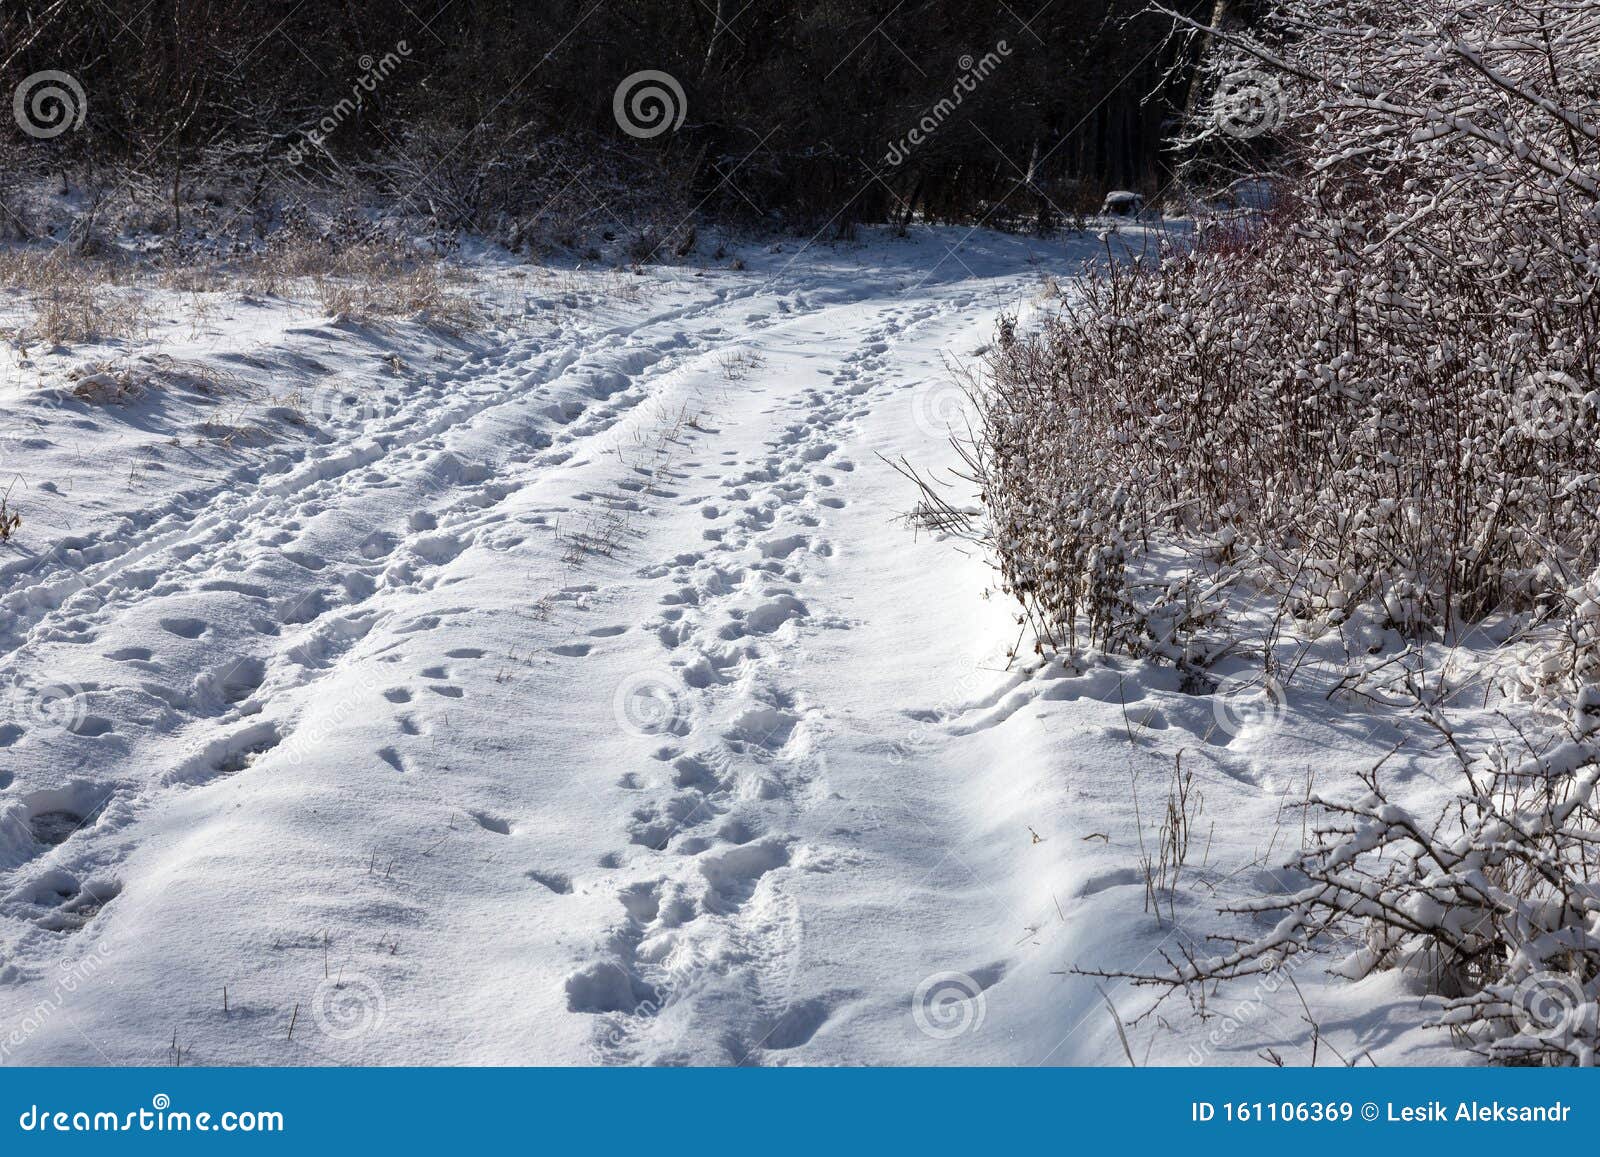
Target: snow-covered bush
point(1494, 905)
point(1385, 390)
point(1375, 401)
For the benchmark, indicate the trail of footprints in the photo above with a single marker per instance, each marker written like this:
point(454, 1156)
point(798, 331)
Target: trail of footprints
point(295, 601)
point(266, 588)
point(705, 919)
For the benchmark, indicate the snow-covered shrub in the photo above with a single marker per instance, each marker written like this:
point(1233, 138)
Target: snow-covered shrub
point(359, 273)
point(1375, 401)
point(534, 191)
point(1383, 393)
point(1494, 904)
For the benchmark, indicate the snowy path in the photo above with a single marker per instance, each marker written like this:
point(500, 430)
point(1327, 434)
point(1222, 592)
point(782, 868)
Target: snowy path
point(586, 701)
point(490, 707)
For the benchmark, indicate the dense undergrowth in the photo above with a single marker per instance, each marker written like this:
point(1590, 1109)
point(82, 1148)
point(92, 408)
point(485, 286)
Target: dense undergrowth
point(1374, 409)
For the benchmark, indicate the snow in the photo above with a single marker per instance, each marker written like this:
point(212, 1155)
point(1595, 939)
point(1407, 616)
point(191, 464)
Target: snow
point(574, 692)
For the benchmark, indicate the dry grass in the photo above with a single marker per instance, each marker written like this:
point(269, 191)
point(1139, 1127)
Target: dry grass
point(10, 520)
point(738, 364)
point(365, 281)
point(197, 278)
point(75, 300)
point(110, 382)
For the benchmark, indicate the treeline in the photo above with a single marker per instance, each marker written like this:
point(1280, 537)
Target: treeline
point(801, 113)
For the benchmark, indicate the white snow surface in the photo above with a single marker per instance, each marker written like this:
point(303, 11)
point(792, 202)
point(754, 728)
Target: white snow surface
point(573, 692)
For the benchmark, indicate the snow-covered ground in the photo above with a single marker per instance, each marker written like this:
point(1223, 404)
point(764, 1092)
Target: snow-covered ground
point(573, 691)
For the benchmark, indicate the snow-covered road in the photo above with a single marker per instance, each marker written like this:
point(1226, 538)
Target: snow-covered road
point(573, 694)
